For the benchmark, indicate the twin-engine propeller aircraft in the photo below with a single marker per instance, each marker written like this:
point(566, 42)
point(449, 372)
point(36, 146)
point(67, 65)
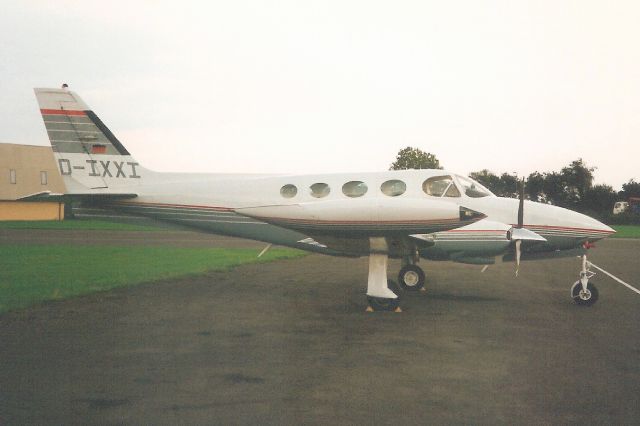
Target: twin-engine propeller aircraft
point(411, 214)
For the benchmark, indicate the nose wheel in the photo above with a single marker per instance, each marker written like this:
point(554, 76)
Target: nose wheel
point(584, 297)
point(583, 292)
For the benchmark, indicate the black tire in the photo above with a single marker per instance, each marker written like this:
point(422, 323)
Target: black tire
point(383, 304)
point(411, 278)
point(584, 299)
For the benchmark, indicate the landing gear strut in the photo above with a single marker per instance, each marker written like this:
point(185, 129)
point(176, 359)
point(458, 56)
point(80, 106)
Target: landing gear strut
point(583, 292)
point(380, 297)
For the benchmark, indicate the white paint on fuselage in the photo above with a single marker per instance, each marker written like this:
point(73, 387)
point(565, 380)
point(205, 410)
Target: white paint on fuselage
point(247, 191)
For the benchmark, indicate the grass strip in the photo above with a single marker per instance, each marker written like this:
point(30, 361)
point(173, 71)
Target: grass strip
point(33, 274)
point(626, 231)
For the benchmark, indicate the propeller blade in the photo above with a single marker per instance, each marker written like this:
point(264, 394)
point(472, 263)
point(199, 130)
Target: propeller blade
point(520, 226)
point(521, 205)
point(518, 252)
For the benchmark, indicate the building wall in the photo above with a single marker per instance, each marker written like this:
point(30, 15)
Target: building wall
point(27, 161)
point(18, 210)
point(26, 164)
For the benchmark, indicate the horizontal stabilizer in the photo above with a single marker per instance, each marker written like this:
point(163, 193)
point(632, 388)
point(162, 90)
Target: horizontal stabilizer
point(42, 196)
point(49, 196)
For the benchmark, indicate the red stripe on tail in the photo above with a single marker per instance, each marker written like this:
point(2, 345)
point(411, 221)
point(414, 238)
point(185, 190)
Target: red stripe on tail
point(61, 112)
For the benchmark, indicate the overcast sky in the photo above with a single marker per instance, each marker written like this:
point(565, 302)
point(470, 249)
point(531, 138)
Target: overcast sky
point(324, 86)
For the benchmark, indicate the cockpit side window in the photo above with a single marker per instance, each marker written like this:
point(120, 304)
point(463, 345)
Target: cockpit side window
point(438, 186)
point(472, 188)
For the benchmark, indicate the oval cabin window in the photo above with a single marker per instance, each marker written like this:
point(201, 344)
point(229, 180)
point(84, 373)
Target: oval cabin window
point(354, 189)
point(319, 190)
point(288, 191)
point(393, 188)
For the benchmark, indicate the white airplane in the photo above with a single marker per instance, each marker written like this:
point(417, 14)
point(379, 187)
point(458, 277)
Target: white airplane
point(410, 214)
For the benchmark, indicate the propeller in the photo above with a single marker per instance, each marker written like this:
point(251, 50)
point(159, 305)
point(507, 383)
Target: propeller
point(520, 224)
point(519, 232)
point(521, 205)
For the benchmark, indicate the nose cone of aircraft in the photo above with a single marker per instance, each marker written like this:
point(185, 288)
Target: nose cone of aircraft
point(605, 228)
point(598, 226)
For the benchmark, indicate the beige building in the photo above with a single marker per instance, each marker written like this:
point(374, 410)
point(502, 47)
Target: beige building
point(27, 170)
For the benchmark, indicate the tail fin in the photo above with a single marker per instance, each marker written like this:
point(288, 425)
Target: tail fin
point(91, 159)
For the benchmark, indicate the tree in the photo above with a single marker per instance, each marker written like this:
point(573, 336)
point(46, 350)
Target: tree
point(487, 179)
point(565, 189)
point(509, 185)
point(630, 189)
point(505, 185)
point(578, 178)
point(414, 158)
point(534, 187)
point(554, 189)
point(598, 200)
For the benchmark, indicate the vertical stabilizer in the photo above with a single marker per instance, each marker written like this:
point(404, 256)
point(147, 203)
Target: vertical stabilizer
point(89, 155)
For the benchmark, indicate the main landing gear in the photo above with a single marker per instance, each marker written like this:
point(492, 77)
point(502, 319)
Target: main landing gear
point(379, 296)
point(411, 278)
point(583, 292)
point(379, 289)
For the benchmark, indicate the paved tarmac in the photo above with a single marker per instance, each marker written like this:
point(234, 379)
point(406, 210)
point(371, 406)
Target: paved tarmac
point(289, 343)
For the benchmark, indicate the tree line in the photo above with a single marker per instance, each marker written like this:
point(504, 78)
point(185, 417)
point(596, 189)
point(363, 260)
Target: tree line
point(572, 187)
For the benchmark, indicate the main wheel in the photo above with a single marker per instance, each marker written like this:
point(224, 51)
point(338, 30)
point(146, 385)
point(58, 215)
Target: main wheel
point(411, 278)
point(383, 304)
point(582, 297)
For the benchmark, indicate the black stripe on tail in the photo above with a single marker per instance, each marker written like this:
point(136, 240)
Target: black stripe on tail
point(105, 130)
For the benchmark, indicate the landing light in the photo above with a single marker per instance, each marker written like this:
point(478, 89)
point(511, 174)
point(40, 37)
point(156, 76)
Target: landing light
point(468, 214)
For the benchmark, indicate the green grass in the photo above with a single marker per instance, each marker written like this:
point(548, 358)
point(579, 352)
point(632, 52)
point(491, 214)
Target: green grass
point(81, 224)
point(33, 274)
point(626, 231)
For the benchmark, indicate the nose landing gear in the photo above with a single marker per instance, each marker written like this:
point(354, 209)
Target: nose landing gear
point(583, 292)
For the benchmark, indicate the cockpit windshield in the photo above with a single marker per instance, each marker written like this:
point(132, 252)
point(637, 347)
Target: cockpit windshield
point(472, 188)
